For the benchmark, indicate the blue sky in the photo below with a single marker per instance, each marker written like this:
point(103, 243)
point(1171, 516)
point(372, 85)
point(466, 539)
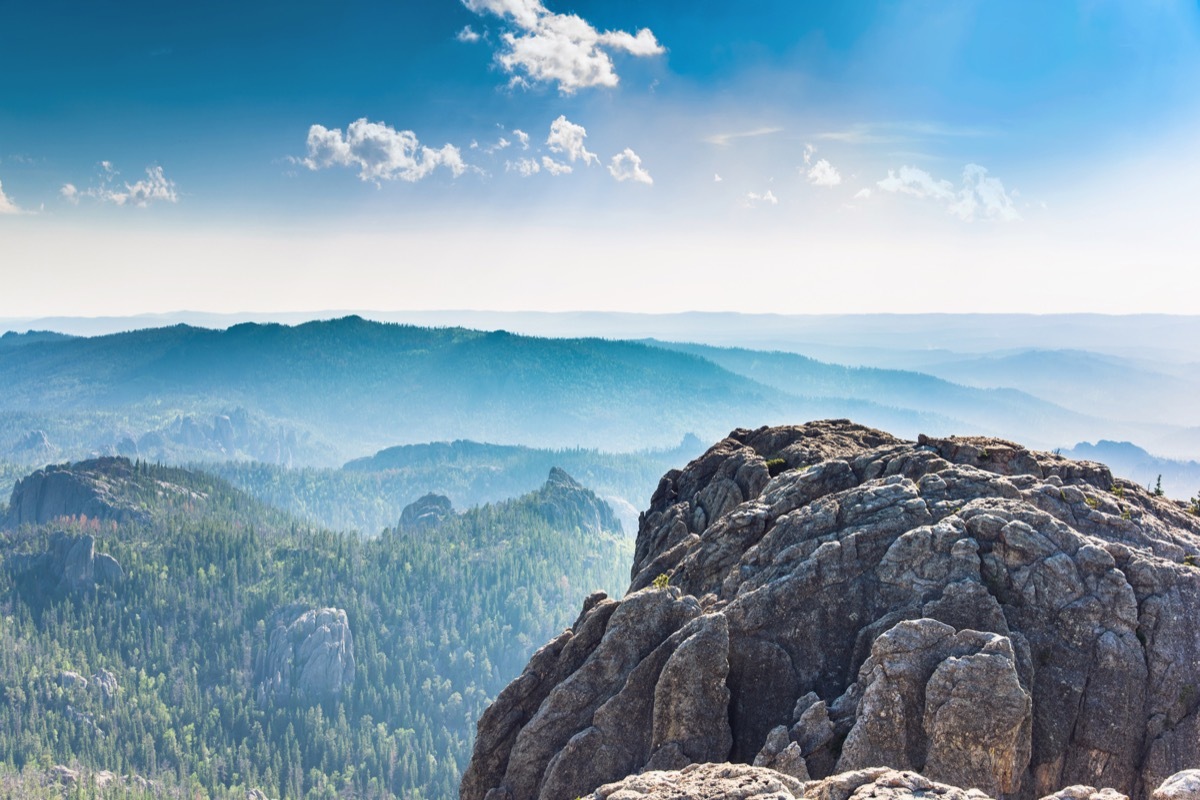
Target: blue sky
point(651, 156)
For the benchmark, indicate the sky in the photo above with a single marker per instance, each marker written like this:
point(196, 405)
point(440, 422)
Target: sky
point(657, 156)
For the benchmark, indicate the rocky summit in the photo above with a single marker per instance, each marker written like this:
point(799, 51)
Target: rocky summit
point(821, 600)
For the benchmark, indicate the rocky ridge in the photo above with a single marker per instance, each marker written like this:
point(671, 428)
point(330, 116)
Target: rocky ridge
point(827, 598)
point(102, 488)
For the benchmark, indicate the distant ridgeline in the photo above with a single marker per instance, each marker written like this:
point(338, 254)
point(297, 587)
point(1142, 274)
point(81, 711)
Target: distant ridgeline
point(160, 623)
point(320, 393)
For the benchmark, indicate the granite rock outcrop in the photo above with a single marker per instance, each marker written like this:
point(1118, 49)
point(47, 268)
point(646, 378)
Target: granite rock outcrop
point(309, 656)
point(827, 599)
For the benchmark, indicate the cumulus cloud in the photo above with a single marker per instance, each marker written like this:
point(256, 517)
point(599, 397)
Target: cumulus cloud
point(523, 167)
point(565, 49)
point(522, 137)
point(379, 152)
point(556, 167)
point(7, 206)
point(823, 173)
point(566, 137)
point(156, 187)
point(627, 166)
point(979, 196)
point(467, 35)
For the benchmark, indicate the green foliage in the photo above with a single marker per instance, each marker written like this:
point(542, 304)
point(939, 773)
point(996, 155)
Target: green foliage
point(1119, 491)
point(1191, 560)
point(662, 581)
point(1092, 502)
point(442, 620)
point(368, 494)
point(775, 466)
point(1126, 513)
point(1158, 487)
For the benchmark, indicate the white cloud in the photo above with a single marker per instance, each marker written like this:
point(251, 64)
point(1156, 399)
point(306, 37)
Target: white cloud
point(863, 194)
point(379, 151)
point(498, 146)
point(522, 137)
point(155, 187)
point(752, 199)
point(560, 48)
point(467, 35)
point(822, 173)
point(917, 183)
point(984, 195)
point(725, 139)
point(523, 167)
point(567, 137)
point(627, 166)
point(7, 206)
point(808, 154)
point(716, 178)
point(979, 196)
point(556, 167)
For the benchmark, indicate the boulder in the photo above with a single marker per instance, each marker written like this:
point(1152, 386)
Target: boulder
point(1010, 622)
point(1183, 785)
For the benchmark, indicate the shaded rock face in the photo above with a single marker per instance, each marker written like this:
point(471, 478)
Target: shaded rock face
point(309, 656)
point(993, 618)
point(88, 488)
point(565, 503)
point(70, 564)
point(425, 513)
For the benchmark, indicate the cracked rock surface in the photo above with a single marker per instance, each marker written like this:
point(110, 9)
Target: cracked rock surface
point(976, 614)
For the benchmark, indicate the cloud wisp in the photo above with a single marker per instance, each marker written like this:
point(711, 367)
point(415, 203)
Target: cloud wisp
point(542, 46)
point(726, 139)
point(379, 152)
point(979, 196)
point(156, 187)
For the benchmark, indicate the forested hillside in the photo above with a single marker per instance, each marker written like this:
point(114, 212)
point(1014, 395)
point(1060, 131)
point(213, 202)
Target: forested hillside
point(368, 494)
point(167, 666)
point(321, 393)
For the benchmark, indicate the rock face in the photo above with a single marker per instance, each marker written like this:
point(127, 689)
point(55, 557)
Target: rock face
point(567, 504)
point(425, 513)
point(1001, 620)
point(309, 656)
point(70, 564)
point(89, 488)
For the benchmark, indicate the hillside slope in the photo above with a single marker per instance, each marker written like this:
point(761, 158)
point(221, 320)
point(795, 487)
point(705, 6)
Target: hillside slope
point(213, 645)
point(303, 394)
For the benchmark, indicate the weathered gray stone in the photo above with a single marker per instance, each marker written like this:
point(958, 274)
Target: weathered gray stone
point(983, 614)
point(309, 655)
point(1183, 785)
